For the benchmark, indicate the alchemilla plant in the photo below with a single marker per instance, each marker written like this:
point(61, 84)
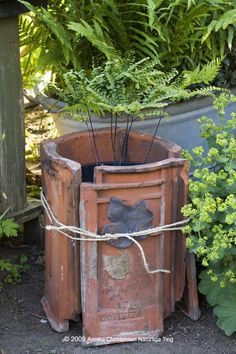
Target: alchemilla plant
point(211, 231)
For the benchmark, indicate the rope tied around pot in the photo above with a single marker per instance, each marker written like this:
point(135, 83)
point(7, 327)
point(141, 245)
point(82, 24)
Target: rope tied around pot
point(86, 235)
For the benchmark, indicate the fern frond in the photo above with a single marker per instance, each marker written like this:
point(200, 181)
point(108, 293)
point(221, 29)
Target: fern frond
point(205, 74)
point(123, 85)
point(95, 35)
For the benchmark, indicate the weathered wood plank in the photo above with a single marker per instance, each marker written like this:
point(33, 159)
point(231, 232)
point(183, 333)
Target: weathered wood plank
point(32, 210)
point(12, 141)
point(30, 217)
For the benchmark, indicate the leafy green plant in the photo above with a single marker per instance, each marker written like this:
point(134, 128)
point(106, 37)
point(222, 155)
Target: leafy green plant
point(122, 85)
point(189, 35)
point(176, 34)
point(211, 231)
point(10, 272)
point(8, 227)
point(74, 34)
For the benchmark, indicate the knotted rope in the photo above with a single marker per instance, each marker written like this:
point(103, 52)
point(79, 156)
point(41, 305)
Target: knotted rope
point(91, 236)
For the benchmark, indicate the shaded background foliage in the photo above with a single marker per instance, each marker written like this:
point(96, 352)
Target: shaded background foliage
point(74, 34)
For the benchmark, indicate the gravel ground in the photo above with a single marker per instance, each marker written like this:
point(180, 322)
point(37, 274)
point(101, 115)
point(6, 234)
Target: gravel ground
point(24, 330)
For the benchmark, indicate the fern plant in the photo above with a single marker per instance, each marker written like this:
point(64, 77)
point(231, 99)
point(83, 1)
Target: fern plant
point(122, 90)
point(76, 33)
point(175, 34)
point(125, 86)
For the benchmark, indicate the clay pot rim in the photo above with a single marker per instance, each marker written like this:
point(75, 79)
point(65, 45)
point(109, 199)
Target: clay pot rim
point(60, 139)
point(51, 147)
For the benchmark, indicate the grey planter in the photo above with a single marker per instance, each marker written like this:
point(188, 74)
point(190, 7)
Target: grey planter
point(182, 128)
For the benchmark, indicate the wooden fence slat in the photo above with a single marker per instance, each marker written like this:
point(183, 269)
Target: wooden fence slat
point(12, 141)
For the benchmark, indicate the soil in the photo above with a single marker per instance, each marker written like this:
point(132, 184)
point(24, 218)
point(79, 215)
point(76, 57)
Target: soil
point(25, 330)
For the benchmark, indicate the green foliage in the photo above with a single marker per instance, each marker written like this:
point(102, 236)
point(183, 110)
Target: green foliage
point(191, 29)
point(179, 34)
point(30, 50)
point(211, 231)
point(223, 299)
point(8, 227)
point(10, 272)
point(204, 75)
point(124, 86)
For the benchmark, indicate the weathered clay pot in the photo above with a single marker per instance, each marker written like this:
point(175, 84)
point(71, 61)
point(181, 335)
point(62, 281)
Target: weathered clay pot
point(120, 299)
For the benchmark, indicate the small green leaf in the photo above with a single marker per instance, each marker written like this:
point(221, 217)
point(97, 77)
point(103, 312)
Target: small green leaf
point(210, 289)
point(9, 227)
point(225, 310)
